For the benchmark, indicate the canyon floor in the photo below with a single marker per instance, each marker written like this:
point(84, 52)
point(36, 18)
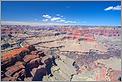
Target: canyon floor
point(56, 55)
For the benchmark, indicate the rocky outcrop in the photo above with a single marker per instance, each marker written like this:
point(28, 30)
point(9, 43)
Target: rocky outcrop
point(13, 56)
point(27, 62)
point(13, 69)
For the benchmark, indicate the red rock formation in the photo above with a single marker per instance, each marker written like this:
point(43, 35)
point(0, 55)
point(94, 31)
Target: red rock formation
point(13, 69)
point(20, 75)
point(18, 64)
point(34, 63)
point(13, 53)
point(27, 58)
point(13, 56)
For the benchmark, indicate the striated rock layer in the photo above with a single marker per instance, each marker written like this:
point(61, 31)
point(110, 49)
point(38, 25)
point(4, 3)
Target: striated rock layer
point(26, 63)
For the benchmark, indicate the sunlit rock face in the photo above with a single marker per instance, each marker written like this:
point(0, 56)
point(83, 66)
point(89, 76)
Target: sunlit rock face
point(20, 64)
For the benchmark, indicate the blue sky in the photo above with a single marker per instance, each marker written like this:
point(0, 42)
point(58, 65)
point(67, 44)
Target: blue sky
point(83, 12)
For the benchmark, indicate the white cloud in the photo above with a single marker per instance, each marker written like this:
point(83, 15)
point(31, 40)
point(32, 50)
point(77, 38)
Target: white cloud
point(46, 16)
point(65, 22)
point(118, 7)
point(45, 20)
point(70, 21)
point(108, 8)
point(62, 20)
point(58, 15)
point(55, 18)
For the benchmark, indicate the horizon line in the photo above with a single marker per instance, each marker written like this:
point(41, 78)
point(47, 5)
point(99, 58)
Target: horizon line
point(40, 23)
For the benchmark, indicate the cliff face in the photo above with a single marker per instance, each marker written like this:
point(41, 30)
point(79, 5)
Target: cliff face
point(29, 64)
point(63, 71)
point(26, 64)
